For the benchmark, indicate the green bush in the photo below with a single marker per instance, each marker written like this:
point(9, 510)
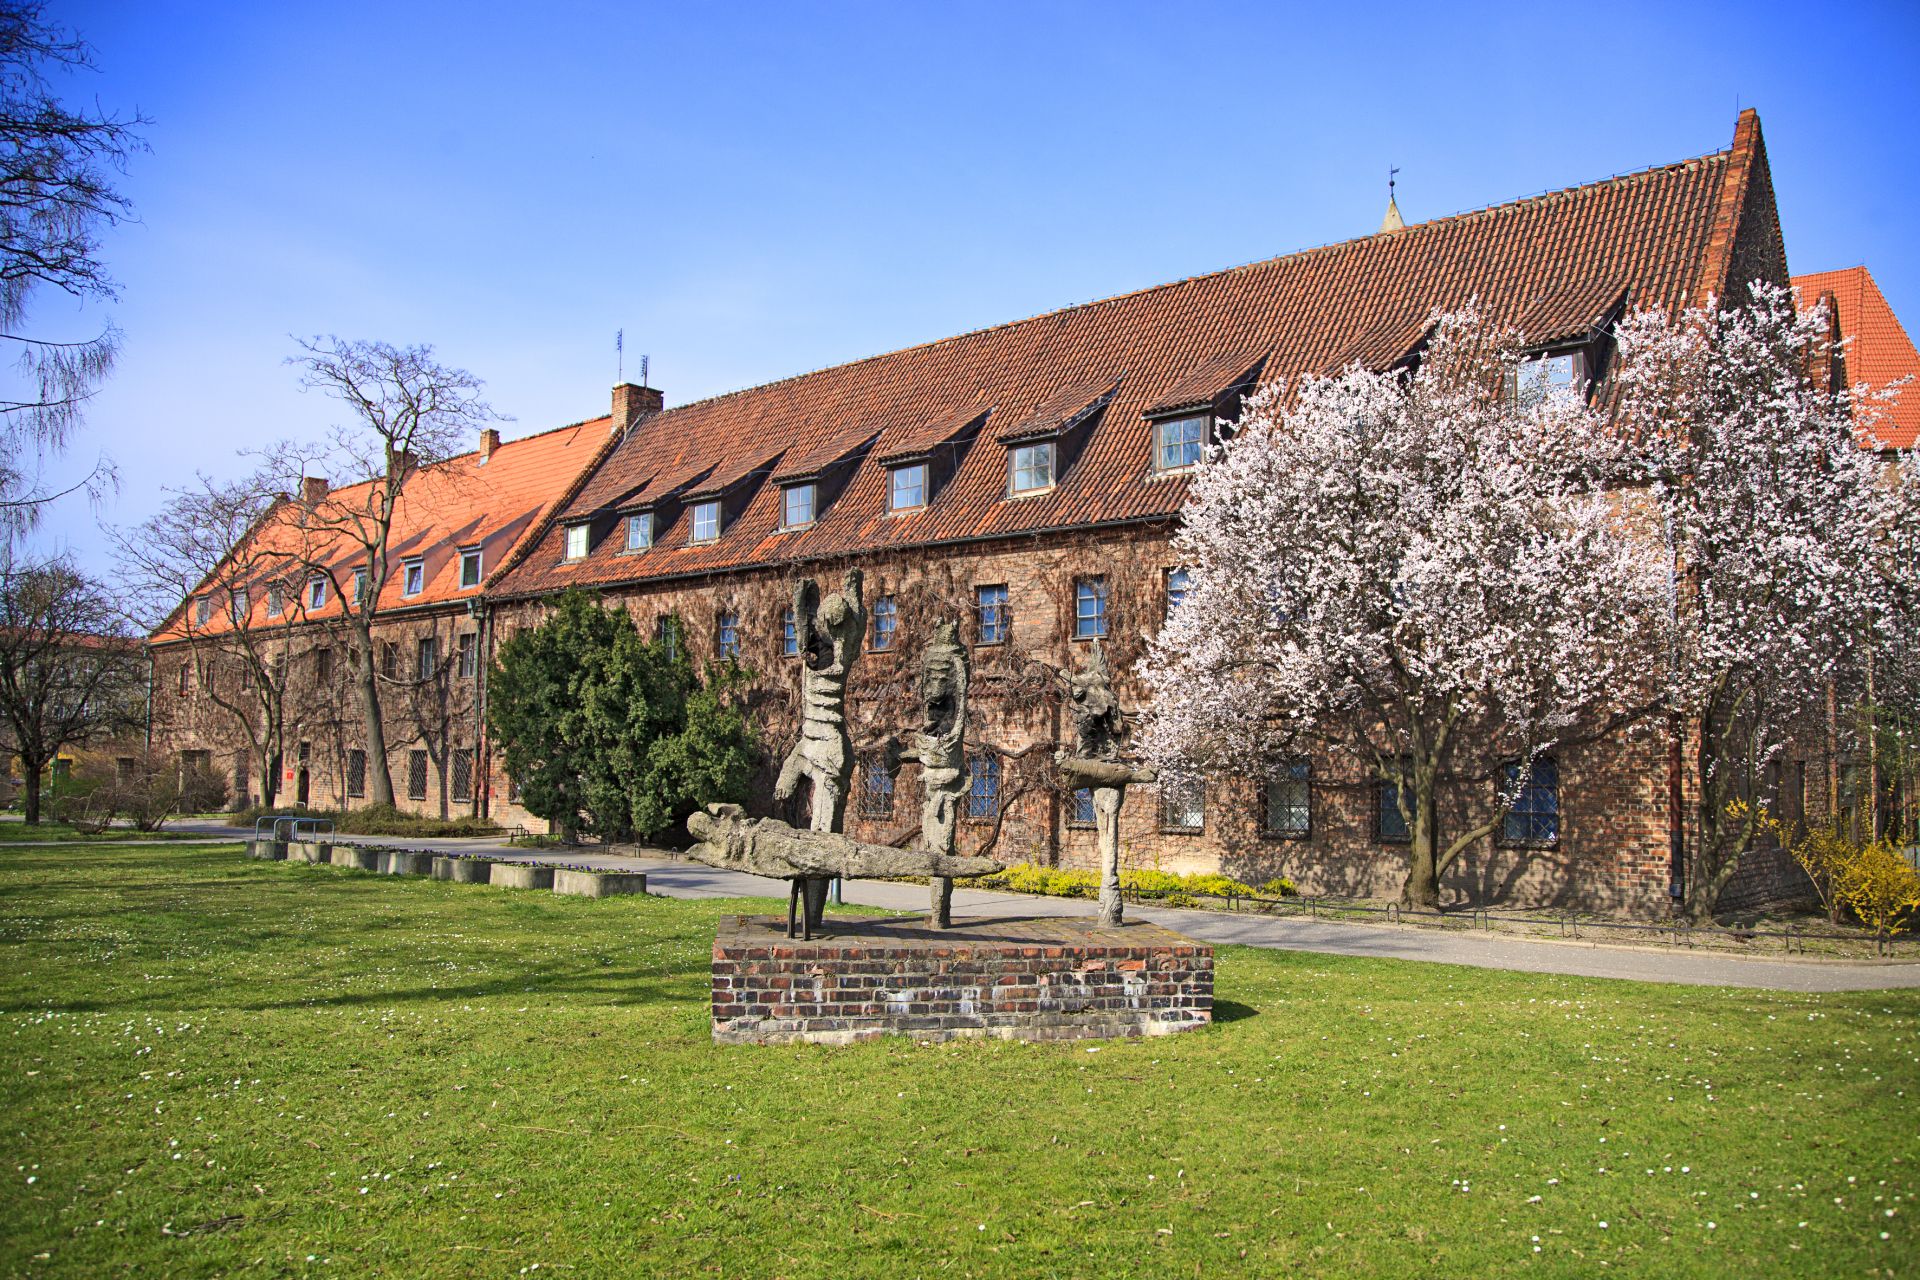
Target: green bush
point(1174, 890)
point(1280, 887)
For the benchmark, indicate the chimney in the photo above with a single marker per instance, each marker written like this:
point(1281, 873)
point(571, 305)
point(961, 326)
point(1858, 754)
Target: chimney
point(312, 489)
point(400, 462)
point(489, 441)
point(632, 403)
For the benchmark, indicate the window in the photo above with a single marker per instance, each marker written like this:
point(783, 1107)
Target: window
point(416, 775)
point(469, 567)
point(907, 487)
point(359, 586)
point(577, 541)
point(513, 791)
point(706, 521)
point(789, 636)
point(640, 531)
point(1177, 443)
point(1089, 608)
point(1535, 816)
point(186, 678)
point(796, 506)
point(1290, 802)
point(123, 767)
point(1183, 804)
point(666, 631)
point(413, 577)
point(983, 786)
point(1179, 581)
point(1081, 815)
point(356, 772)
point(246, 674)
point(995, 617)
point(316, 592)
point(202, 608)
point(467, 647)
point(426, 657)
point(390, 660)
point(280, 670)
point(1032, 467)
point(276, 600)
point(876, 787)
point(323, 664)
point(242, 771)
point(727, 633)
point(1390, 825)
point(886, 620)
point(237, 604)
point(1550, 376)
point(463, 774)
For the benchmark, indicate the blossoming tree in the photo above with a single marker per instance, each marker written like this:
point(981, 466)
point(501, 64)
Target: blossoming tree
point(1426, 574)
point(1792, 545)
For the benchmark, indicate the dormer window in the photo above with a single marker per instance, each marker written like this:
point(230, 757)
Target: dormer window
point(413, 577)
point(907, 487)
point(1177, 442)
point(276, 600)
point(640, 531)
point(1030, 468)
point(359, 586)
point(203, 608)
point(316, 592)
point(470, 567)
point(796, 505)
point(577, 537)
point(706, 521)
point(1557, 374)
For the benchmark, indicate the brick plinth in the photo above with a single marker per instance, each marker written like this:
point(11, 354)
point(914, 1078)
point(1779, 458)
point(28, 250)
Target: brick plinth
point(1048, 979)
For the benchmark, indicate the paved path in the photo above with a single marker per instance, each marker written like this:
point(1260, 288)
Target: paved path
point(675, 878)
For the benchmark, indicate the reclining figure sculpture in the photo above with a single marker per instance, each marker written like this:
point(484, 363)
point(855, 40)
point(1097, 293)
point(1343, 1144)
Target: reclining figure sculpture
point(732, 841)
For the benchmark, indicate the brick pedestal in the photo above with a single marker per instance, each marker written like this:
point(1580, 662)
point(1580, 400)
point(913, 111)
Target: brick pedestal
point(1047, 979)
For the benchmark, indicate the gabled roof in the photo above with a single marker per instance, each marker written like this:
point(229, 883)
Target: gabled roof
point(1664, 236)
point(1063, 410)
point(493, 503)
point(1879, 352)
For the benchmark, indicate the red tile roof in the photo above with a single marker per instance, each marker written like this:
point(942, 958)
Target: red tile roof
point(1879, 351)
point(1562, 259)
point(493, 503)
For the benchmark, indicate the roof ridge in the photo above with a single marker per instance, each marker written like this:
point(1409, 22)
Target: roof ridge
point(1308, 252)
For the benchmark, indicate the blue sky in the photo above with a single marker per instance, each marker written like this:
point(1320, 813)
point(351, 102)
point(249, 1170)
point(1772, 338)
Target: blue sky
point(752, 190)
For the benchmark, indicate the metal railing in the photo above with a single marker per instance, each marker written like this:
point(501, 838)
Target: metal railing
point(269, 826)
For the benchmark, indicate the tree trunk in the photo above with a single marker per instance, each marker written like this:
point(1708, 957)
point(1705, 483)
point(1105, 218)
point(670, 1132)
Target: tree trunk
point(30, 806)
point(1422, 889)
point(380, 777)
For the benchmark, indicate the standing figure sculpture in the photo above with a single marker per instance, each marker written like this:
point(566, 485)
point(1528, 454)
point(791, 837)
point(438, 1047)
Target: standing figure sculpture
point(940, 748)
point(1099, 728)
point(828, 633)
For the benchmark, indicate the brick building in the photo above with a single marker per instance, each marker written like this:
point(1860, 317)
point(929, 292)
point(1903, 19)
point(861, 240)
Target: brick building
point(1026, 480)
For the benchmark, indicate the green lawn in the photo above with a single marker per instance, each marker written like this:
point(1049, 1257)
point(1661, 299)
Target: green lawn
point(60, 833)
point(225, 1067)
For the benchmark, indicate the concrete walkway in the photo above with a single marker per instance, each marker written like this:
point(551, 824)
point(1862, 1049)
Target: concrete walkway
point(676, 878)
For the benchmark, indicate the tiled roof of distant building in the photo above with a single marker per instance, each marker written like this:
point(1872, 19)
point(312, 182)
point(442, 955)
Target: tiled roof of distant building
point(1879, 351)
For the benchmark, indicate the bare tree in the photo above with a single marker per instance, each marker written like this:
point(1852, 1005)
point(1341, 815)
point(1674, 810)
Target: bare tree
point(409, 412)
point(69, 672)
point(208, 569)
point(56, 198)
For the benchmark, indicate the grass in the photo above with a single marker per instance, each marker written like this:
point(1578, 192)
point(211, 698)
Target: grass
point(217, 1067)
point(48, 832)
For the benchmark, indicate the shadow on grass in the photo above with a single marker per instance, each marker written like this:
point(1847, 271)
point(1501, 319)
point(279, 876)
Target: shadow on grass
point(1233, 1011)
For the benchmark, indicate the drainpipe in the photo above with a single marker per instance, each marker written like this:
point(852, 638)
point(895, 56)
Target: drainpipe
point(483, 753)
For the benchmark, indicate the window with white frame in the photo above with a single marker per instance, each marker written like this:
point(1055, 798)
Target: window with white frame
point(886, 621)
point(426, 657)
point(238, 604)
point(1089, 608)
point(316, 592)
point(796, 506)
point(413, 576)
point(1031, 468)
point(666, 633)
point(577, 535)
point(359, 586)
point(1177, 442)
point(983, 786)
point(470, 567)
point(202, 608)
point(1561, 373)
point(727, 633)
point(907, 487)
point(1179, 581)
point(276, 600)
point(467, 650)
point(640, 531)
point(789, 636)
point(706, 521)
point(993, 615)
